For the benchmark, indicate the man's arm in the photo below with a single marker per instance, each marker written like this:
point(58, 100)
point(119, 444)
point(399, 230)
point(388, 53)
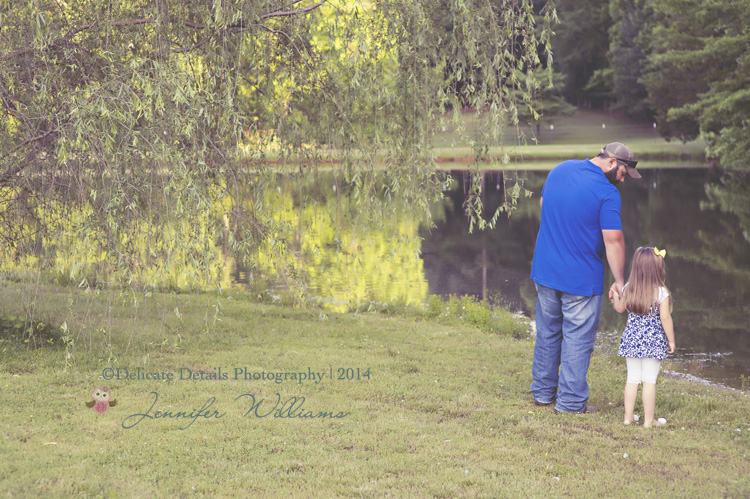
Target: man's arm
point(614, 243)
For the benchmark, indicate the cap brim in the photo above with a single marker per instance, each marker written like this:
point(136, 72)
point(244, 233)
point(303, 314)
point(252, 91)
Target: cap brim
point(633, 172)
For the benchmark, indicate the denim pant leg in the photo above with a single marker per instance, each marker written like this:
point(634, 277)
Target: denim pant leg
point(581, 316)
point(548, 344)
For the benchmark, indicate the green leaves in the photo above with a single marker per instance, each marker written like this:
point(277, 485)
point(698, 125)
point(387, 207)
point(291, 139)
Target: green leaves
point(700, 72)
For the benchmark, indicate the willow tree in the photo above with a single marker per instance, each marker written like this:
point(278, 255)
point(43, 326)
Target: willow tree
point(132, 111)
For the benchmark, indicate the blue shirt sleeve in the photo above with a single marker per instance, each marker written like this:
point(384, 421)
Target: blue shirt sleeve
point(609, 215)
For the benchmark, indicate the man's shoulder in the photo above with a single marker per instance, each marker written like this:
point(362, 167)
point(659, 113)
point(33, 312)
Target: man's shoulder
point(571, 163)
point(564, 171)
point(574, 167)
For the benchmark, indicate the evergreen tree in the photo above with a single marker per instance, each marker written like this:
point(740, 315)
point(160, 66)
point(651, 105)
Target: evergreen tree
point(626, 55)
point(698, 74)
point(581, 42)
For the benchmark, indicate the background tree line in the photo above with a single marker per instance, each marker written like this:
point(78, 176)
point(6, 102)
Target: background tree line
point(684, 64)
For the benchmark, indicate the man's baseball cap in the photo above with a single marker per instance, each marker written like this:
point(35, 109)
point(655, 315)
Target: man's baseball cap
point(620, 152)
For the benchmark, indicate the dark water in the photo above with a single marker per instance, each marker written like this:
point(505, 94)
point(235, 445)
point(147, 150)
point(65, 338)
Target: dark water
point(703, 223)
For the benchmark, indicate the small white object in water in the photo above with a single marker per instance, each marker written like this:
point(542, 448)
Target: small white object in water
point(662, 421)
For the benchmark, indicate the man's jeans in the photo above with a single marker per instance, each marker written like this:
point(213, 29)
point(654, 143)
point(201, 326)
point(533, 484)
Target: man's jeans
point(566, 327)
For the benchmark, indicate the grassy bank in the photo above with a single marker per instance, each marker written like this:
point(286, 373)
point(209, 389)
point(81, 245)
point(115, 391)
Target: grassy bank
point(435, 405)
point(651, 153)
point(528, 147)
point(578, 136)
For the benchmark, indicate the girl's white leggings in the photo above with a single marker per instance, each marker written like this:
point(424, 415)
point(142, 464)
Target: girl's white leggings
point(642, 370)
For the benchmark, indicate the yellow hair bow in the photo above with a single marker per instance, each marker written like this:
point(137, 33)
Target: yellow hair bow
point(661, 253)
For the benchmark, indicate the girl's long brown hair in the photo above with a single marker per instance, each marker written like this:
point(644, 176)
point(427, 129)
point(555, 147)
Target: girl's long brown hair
point(647, 273)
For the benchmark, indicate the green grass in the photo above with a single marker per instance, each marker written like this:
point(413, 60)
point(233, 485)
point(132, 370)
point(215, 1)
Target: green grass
point(445, 412)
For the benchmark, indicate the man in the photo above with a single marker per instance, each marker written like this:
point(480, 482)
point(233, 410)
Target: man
point(580, 224)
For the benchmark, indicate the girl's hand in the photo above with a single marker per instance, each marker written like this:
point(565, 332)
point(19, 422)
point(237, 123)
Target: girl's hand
point(671, 347)
point(615, 298)
point(614, 293)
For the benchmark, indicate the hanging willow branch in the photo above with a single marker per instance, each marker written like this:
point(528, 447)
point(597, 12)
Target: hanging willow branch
point(231, 27)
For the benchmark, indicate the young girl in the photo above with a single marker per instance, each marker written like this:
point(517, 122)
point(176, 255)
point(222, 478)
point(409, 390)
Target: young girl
point(649, 333)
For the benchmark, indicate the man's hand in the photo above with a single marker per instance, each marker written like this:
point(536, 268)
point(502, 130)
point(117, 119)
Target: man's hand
point(614, 244)
point(614, 291)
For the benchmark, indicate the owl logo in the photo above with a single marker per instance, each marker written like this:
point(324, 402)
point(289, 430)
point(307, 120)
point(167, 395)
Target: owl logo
point(101, 403)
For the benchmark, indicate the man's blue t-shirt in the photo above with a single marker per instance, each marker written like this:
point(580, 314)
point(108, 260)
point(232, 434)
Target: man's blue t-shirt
point(578, 202)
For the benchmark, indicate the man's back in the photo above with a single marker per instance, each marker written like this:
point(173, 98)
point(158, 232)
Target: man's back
point(578, 203)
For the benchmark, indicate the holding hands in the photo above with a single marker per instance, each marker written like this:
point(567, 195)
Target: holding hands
point(614, 292)
point(615, 297)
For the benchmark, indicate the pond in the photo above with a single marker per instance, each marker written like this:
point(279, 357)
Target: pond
point(326, 244)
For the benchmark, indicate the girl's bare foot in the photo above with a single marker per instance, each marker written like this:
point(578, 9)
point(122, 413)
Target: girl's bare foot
point(658, 422)
point(633, 421)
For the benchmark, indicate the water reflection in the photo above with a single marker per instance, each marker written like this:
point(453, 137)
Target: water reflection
point(702, 221)
point(324, 240)
point(334, 255)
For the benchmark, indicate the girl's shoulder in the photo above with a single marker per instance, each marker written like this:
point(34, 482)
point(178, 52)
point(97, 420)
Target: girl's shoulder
point(662, 294)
